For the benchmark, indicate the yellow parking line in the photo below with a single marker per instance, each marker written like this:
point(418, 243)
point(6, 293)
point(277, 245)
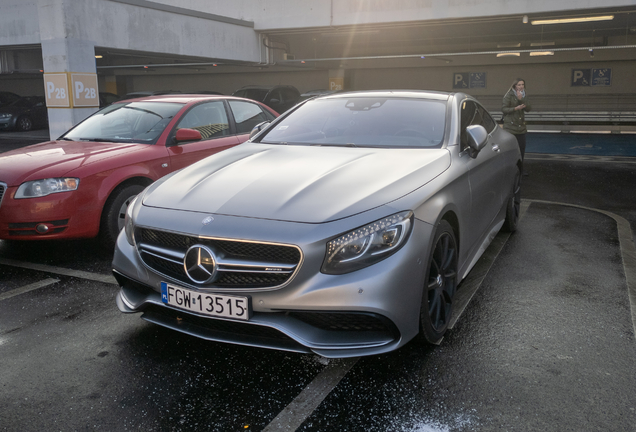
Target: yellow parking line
point(27, 288)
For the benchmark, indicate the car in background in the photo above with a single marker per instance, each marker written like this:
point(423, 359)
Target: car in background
point(143, 93)
point(24, 114)
point(8, 97)
point(314, 93)
point(279, 97)
point(79, 185)
point(343, 228)
point(106, 99)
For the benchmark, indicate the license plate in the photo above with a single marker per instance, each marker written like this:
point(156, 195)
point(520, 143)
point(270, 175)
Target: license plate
point(215, 305)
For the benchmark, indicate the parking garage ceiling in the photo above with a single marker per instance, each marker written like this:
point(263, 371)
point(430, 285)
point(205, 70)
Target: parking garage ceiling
point(414, 44)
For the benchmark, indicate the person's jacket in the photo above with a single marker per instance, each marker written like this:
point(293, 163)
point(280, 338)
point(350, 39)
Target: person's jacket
point(514, 121)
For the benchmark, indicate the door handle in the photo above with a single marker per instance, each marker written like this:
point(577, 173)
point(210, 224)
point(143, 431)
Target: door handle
point(495, 147)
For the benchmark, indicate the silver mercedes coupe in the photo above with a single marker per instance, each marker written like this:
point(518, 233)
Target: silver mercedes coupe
point(342, 228)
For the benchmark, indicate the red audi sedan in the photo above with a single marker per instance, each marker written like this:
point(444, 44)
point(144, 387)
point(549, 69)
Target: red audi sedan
point(79, 185)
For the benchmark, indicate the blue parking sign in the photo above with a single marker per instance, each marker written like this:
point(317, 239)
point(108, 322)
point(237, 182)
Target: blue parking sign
point(580, 77)
point(602, 77)
point(461, 80)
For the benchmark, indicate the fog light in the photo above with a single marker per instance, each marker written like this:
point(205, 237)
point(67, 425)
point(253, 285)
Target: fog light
point(42, 229)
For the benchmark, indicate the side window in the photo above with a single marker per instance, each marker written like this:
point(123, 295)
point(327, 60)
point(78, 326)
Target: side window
point(486, 120)
point(289, 95)
point(208, 118)
point(247, 115)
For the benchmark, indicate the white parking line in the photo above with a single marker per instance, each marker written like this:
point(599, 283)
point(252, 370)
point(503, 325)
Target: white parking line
point(27, 288)
point(109, 279)
point(308, 400)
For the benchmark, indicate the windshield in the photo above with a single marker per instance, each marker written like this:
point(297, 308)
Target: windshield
point(363, 122)
point(138, 122)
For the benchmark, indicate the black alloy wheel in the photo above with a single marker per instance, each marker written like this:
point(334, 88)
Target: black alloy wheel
point(24, 124)
point(114, 213)
point(440, 285)
point(513, 206)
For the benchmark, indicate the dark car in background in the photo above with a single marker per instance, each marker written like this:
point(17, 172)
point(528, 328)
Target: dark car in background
point(279, 97)
point(106, 99)
point(8, 97)
point(24, 114)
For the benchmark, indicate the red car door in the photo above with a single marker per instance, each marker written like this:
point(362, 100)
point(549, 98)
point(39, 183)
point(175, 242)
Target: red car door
point(211, 120)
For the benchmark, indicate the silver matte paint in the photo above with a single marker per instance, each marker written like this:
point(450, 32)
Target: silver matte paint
point(299, 183)
point(306, 196)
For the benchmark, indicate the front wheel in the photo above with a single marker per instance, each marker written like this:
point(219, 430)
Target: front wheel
point(115, 212)
point(513, 206)
point(440, 284)
point(24, 124)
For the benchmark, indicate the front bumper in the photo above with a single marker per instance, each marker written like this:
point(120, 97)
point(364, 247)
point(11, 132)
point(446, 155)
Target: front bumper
point(366, 312)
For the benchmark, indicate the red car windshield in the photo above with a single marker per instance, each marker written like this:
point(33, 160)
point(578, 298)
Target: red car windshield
point(139, 122)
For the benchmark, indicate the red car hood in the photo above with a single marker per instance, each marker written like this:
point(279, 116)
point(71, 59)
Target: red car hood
point(56, 158)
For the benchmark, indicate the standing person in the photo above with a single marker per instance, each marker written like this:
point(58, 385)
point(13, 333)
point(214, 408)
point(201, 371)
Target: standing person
point(514, 106)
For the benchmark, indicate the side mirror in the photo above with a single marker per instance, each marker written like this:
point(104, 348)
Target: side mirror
point(477, 138)
point(259, 127)
point(186, 134)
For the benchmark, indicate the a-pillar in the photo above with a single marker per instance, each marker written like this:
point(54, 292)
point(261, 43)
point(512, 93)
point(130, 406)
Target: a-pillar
point(70, 74)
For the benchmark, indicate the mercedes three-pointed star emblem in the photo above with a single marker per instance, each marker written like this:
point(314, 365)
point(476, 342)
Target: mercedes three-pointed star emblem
point(200, 264)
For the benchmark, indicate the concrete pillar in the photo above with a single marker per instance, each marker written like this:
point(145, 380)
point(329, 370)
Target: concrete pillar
point(336, 79)
point(65, 58)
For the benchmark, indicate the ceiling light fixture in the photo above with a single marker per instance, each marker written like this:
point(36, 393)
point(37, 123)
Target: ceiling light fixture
point(525, 19)
point(540, 44)
point(573, 20)
point(541, 53)
point(509, 45)
point(99, 56)
point(509, 54)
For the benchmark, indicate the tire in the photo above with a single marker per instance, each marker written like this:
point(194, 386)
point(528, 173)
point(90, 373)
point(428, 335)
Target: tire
point(513, 206)
point(24, 124)
point(114, 213)
point(440, 285)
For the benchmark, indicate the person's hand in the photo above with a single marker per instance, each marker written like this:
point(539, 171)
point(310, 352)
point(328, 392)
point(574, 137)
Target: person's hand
point(519, 95)
point(520, 107)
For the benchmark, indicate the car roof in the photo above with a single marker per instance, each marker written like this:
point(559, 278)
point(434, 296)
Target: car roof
point(415, 94)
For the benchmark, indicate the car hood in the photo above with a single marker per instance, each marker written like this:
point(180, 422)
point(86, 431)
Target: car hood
point(298, 183)
point(56, 158)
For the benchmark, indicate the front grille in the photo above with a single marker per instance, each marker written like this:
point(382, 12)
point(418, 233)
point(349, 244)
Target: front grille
point(241, 264)
point(29, 228)
point(3, 188)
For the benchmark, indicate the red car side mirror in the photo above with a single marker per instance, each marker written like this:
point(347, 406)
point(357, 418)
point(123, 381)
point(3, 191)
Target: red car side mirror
point(186, 134)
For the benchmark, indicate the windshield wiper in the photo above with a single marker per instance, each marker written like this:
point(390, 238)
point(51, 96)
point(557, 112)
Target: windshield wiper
point(143, 110)
point(103, 140)
point(333, 145)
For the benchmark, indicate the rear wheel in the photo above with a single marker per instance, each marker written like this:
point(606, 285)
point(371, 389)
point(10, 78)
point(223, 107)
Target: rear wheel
point(24, 124)
point(115, 212)
point(440, 284)
point(513, 206)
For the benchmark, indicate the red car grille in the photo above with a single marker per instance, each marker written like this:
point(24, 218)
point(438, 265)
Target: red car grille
point(29, 228)
point(3, 188)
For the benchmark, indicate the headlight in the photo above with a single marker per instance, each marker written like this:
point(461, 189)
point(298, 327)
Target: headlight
point(5, 115)
point(40, 188)
point(129, 226)
point(367, 245)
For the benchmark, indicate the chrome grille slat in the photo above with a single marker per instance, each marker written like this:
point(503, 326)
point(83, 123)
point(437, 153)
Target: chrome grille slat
point(241, 264)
